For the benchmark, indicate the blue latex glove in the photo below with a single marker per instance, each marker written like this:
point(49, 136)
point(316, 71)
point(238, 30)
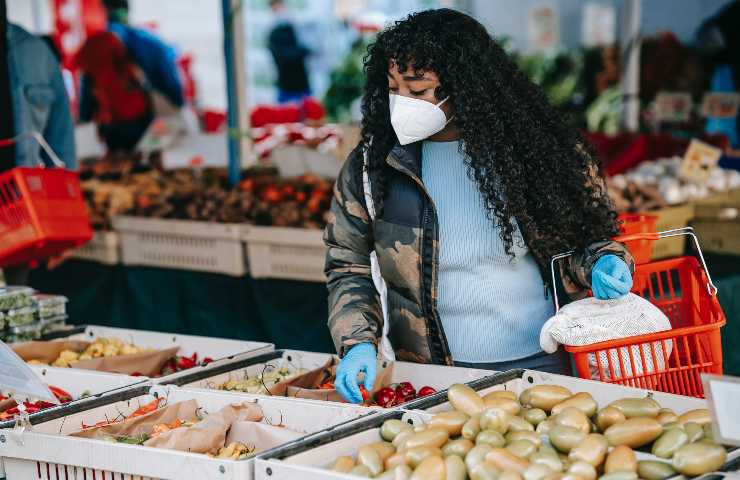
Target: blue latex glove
point(610, 278)
point(360, 358)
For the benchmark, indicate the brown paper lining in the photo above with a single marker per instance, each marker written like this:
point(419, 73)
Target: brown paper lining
point(146, 363)
point(306, 385)
point(261, 436)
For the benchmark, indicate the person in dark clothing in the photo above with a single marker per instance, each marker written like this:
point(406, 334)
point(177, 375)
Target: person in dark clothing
point(290, 57)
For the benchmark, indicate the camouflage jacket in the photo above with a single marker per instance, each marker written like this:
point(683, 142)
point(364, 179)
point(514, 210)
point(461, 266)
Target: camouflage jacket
point(405, 239)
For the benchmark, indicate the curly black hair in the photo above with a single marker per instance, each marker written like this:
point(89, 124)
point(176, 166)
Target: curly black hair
point(529, 164)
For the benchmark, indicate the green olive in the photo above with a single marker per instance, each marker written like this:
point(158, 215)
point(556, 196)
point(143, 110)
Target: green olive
point(508, 475)
point(699, 458)
point(522, 448)
point(504, 460)
point(549, 459)
point(384, 449)
point(518, 424)
point(477, 455)
point(496, 419)
point(391, 428)
point(507, 394)
point(465, 399)
point(537, 471)
point(666, 415)
point(433, 437)
point(621, 458)
point(700, 416)
point(583, 401)
point(370, 458)
point(708, 432)
point(634, 432)
point(343, 464)
point(583, 470)
point(490, 437)
point(565, 438)
point(431, 468)
point(637, 407)
point(416, 455)
point(458, 447)
point(451, 421)
point(622, 475)
point(606, 417)
point(471, 429)
point(483, 471)
point(543, 428)
point(654, 470)
point(533, 415)
point(395, 460)
point(400, 441)
point(361, 471)
point(401, 472)
point(694, 431)
point(455, 468)
point(510, 406)
point(544, 396)
point(533, 437)
point(572, 417)
point(591, 450)
point(670, 441)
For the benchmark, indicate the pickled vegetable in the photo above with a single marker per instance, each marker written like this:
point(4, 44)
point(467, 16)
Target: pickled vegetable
point(699, 458)
point(544, 396)
point(465, 399)
point(634, 432)
point(654, 470)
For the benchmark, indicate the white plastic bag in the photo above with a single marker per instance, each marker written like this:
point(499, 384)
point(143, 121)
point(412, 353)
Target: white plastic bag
point(590, 321)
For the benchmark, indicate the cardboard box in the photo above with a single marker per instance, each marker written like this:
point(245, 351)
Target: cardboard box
point(670, 218)
point(717, 223)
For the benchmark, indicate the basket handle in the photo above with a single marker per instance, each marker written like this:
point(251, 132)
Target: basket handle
point(687, 231)
point(42, 143)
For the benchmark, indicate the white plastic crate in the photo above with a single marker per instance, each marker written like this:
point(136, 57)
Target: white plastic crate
point(77, 382)
point(219, 349)
point(311, 460)
point(436, 376)
point(181, 244)
point(45, 452)
point(285, 253)
point(103, 248)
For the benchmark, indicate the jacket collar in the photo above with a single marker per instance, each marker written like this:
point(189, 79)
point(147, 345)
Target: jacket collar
point(406, 158)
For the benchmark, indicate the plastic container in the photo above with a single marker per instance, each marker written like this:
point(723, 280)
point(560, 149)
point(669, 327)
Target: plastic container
point(21, 316)
point(670, 361)
point(50, 305)
point(2, 322)
point(219, 349)
point(309, 460)
point(436, 376)
point(46, 452)
point(181, 244)
point(15, 297)
point(287, 253)
point(632, 223)
point(53, 324)
point(24, 333)
point(104, 248)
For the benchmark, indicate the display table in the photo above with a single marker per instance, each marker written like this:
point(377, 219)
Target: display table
point(287, 313)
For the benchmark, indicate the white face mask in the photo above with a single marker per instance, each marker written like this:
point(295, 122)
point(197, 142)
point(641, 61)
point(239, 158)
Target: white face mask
point(415, 119)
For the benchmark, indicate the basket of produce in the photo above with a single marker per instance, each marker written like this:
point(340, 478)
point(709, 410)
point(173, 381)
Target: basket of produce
point(135, 352)
point(671, 360)
point(67, 385)
point(310, 375)
point(42, 212)
point(164, 433)
point(518, 424)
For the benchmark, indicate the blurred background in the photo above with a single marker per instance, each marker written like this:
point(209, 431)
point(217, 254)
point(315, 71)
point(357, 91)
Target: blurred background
point(249, 107)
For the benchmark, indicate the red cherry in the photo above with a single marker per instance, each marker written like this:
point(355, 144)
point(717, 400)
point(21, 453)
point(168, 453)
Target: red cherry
point(386, 397)
point(426, 390)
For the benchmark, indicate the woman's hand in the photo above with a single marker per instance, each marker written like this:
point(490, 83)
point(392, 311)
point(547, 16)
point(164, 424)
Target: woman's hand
point(360, 358)
point(610, 278)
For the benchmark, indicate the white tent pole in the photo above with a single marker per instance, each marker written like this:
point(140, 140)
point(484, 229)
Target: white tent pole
point(630, 81)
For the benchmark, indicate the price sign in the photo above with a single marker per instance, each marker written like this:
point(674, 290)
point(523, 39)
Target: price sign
point(544, 27)
point(720, 104)
point(722, 394)
point(700, 158)
point(673, 106)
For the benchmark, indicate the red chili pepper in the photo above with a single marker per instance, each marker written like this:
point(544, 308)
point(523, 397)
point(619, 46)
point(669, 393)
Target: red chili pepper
point(206, 361)
point(426, 390)
point(365, 394)
point(61, 395)
point(40, 404)
point(148, 408)
point(184, 363)
point(136, 374)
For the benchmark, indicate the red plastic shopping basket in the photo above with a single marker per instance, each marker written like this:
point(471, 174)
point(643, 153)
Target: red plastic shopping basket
point(42, 211)
point(631, 223)
point(670, 361)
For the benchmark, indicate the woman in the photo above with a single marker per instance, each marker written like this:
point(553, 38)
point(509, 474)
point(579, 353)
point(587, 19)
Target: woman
point(473, 183)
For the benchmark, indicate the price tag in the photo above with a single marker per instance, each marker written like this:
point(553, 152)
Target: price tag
point(699, 160)
point(722, 394)
point(720, 104)
point(673, 106)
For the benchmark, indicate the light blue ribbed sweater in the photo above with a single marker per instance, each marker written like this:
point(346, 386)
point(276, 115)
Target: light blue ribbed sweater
point(492, 307)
